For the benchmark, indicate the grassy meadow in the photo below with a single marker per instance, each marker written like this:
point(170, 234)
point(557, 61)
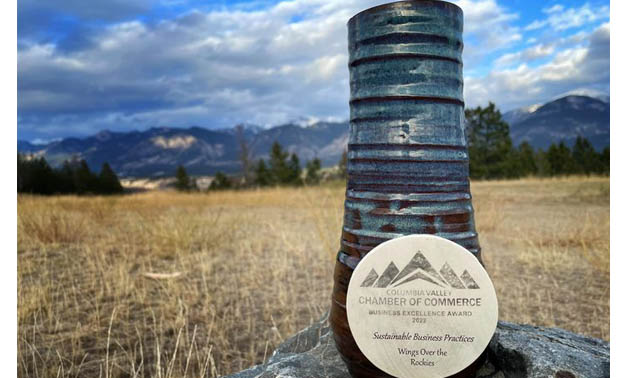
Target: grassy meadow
point(166, 284)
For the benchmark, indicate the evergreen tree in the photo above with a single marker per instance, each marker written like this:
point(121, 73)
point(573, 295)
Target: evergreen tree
point(35, 176)
point(560, 159)
point(343, 165)
point(512, 166)
point(84, 180)
point(182, 181)
point(220, 182)
point(312, 171)
point(293, 171)
point(526, 159)
point(554, 159)
point(262, 175)
point(586, 159)
point(278, 166)
point(489, 143)
point(604, 158)
point(45, 177)
point(108, 181)
point(22, 173)
point(542, 163)
point(66, 178)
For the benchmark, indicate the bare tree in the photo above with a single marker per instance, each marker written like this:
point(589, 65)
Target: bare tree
point(245, 154)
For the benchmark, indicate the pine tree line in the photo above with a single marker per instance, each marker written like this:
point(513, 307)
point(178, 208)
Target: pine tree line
point(36, 176)
point(492, 155)
point(281, 169)
point(285, 169)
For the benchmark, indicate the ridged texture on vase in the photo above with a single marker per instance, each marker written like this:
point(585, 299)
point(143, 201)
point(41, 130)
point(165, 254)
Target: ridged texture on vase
point(407, 153)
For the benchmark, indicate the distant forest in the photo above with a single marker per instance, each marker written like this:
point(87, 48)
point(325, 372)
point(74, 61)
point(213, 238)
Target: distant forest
point(35, 175)
point(491, 153)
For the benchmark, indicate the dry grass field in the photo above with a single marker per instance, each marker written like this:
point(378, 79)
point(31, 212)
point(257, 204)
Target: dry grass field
point(163, 284)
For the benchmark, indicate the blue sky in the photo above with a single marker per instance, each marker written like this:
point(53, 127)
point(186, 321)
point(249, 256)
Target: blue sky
point(85, 66)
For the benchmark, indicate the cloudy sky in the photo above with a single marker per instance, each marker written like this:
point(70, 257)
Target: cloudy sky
point(85, 66)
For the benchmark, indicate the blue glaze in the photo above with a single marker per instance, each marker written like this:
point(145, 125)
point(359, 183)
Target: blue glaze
point(407, 154)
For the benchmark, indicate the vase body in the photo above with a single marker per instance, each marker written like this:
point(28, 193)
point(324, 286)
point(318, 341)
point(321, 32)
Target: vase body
point(407, 152)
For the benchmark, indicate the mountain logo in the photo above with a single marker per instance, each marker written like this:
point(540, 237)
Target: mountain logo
point(419, 268)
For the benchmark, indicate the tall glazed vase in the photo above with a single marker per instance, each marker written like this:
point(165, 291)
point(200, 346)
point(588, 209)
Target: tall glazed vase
point(407, 153)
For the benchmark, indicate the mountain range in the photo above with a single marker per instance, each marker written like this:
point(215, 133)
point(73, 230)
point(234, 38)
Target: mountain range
point(561, 120)
point(156, 152)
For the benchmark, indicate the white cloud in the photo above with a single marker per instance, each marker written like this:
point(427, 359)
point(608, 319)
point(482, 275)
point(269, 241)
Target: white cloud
point(574, 67)
point(561, 19)
point(536, 24)
point(487, 28)
point(554, 9)
point(326, 67)
point(264, 66)
point(215, 68)
point(528, 55)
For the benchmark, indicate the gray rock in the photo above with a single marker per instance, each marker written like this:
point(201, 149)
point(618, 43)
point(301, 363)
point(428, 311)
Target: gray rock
point(527, 351)
point(516, 351)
